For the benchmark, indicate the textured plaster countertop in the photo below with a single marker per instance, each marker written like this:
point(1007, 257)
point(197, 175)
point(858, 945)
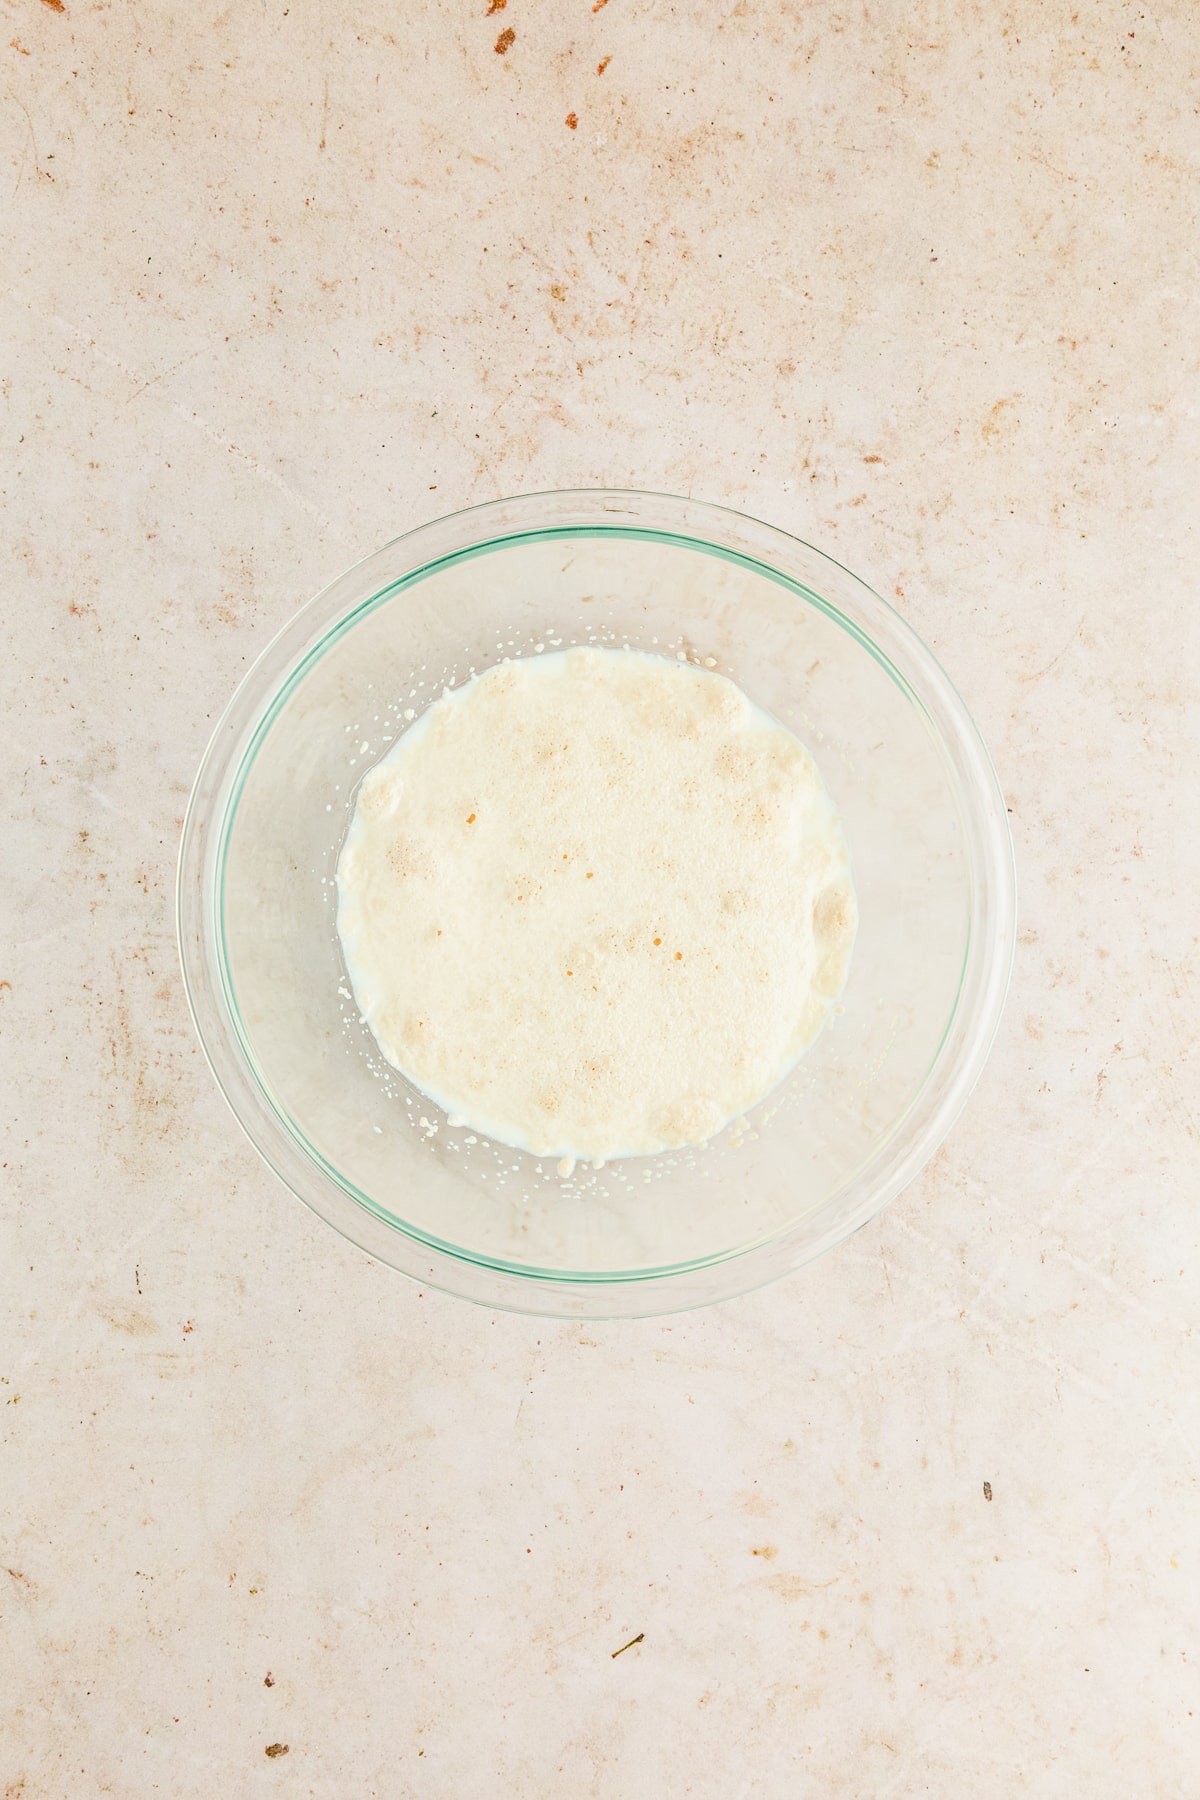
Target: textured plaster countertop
point(916, 281)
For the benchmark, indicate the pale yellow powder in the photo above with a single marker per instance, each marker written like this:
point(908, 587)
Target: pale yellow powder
point(595, 904)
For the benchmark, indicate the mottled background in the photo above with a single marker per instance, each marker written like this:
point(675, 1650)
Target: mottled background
point(917, 281)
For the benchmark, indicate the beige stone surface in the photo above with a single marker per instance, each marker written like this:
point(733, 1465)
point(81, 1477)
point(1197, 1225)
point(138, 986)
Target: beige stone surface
point(916, 281)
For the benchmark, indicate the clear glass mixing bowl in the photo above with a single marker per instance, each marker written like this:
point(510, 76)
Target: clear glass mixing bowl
point(862, 1111)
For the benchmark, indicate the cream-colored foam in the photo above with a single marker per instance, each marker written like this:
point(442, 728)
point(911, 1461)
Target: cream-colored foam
point(595, 903)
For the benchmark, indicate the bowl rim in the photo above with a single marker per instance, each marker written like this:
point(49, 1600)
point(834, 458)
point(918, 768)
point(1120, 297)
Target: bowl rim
point(952, 1072)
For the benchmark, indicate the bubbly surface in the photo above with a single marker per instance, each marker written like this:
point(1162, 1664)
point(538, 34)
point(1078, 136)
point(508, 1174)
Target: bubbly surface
point(595, 903)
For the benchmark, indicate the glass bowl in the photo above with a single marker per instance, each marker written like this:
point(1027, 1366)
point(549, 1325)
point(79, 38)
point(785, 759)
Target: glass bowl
point(862, 1111)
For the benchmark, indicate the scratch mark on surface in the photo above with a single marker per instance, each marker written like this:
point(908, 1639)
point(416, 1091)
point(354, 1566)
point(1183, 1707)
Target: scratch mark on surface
point(795, 1587)
point(1028, 680)
point(998, 1330)
point(1153, 1313)
point(199, 423)
point(32, 140)
point(162, 374)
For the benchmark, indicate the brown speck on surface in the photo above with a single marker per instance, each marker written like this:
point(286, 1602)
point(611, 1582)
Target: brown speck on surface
point(603, 64)
point(276, 1750)
point(268, 1678)
point(55, 5)
point(16, 44)
point(495, 6)
point(507, 38)
point(557, 291)
point(679, 956)
point(470, 818)
point(135, 1324)
point(658, 940)
point(573, 121)
point(987, 1490)
point(992, 425)
point(872, 459)
point(766, 1551)
point(596, 8)
point(640, 1638)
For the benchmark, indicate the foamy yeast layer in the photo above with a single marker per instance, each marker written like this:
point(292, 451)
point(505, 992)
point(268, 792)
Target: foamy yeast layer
point(595, 903)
